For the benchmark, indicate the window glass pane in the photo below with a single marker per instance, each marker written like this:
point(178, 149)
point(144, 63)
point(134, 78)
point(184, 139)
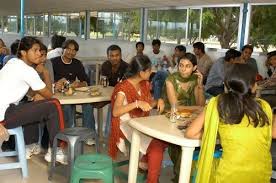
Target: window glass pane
point(59, 24)
point(29, 24)
point(115, 25)
point(263, 28)
point(220, 27)
point(46, 26)
point(73, 24)
point(10, 24)
point(167, 25)
point(39, 23)
point(194, 21)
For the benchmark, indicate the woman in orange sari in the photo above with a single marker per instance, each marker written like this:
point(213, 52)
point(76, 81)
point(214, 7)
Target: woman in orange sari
point(132, 98)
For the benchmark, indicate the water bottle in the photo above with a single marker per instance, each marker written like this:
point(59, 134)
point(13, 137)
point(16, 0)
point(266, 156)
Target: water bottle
point(173, 115)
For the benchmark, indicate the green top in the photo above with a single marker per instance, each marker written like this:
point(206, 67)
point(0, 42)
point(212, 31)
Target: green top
point(184, 97)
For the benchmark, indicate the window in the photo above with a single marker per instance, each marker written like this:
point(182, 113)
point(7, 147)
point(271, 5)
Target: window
point(167, 25)
point(10, 24)
point(59, 24)
point(39, 25)
point(29, 25)
point(115, 25)
point(220, 27)
point(73, 24)
point(263, 28)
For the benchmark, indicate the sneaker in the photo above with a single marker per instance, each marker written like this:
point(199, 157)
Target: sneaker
point(32, 149)
point(61, 157)
point(90, 141)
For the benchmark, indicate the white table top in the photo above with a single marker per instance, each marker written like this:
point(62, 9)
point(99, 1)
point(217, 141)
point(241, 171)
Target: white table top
point(161, 128)
point(85, 97)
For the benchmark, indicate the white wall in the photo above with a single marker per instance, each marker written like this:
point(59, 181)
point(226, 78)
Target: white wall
point(97, 48)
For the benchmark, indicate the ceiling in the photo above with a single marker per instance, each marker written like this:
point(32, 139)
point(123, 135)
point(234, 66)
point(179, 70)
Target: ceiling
point(12, 7)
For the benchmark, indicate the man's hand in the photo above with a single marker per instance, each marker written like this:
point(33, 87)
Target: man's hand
point(40, 68)
point(60, 83)
point(4, 135)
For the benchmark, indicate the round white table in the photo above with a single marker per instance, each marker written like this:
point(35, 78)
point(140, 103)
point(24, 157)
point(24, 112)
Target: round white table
point(160, 127)
point(84, 97)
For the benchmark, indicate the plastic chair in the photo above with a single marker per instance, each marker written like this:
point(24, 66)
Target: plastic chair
point(93, 166)
point(74, 137)
point(19, 151)
point(217, 155)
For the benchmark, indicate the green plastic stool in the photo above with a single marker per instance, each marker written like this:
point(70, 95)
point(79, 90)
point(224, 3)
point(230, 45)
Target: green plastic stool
point(93, 166)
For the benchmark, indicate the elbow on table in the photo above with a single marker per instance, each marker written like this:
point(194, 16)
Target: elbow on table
point(191, 135)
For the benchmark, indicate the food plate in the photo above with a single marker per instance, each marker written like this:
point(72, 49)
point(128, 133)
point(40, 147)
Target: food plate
point(82, 89)
point(95, 93)
point(94, 89)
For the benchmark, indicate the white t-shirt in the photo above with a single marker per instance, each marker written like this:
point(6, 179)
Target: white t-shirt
point(54, 53)
point(154, 58)
point(16, 77)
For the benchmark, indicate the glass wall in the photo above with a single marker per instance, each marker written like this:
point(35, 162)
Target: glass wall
point(115, 25)
point(167, 25)
point(263, 28)
point(59, 24)
point(73, 23)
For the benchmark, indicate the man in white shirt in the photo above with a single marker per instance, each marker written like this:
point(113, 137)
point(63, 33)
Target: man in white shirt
point(56, 43)
point(16, 78)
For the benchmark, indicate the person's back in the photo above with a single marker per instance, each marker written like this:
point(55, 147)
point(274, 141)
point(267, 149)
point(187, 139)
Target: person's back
point(246, 151)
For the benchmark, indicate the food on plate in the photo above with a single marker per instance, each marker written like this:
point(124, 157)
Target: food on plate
point(82, 89)
point(95, 93)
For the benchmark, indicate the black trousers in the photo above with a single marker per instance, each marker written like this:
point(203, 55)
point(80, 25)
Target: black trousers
point(30, 114)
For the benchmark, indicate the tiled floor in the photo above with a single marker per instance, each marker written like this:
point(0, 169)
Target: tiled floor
point(38, 172)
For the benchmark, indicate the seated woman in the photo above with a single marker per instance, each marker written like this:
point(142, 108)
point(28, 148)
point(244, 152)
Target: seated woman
point(131, 98)
point(244, 125)
point(183, 88)
point(16, 78)
point(271, 65)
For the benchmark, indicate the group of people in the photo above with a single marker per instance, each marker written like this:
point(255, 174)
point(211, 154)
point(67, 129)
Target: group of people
point(243, 123)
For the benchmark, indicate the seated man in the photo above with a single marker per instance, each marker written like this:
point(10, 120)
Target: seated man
point(56, 44)
point(157, 56)
point(114, 68)
point(214, 85)
point(246, 58)
point(68, 68)
point(140, 48)
point(204, 62)
point(13, 47)
point(179, 51)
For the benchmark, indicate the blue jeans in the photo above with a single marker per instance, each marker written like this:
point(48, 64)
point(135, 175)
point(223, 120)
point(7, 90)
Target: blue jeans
point(158, 81)
point(87, 116)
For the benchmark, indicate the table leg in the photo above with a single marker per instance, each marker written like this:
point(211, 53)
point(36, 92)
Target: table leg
point(134, 157)
point(186, 164)
point(100, 123)
point(97, 73)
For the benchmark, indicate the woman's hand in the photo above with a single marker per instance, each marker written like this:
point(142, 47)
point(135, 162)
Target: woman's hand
point(143, 105)
point(199, 78)
point(160, 105)
point(4, 135)
point(60, 83)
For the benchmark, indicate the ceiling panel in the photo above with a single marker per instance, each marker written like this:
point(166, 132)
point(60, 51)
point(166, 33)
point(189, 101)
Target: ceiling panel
point(37, 6)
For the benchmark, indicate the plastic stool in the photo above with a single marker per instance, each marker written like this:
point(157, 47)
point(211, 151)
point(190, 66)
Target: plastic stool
point(74, 137)
point(93, 166)
point(19, 151)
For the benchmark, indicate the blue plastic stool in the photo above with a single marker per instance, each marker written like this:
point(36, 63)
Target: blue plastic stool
point(19, 151)
point(217, 155)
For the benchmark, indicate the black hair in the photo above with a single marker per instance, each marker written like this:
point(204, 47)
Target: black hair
point(14, 47)
point(141, 43)
point(26, 43)
point(43, 47)
point(181, 48)
point(239, 100)
point(248, 46)
point(70, 41)
point(189, 56)
point(137, 64)
point(271, 54)
point(156, 41)
point(231, 54)
point(57, 41)
point(113, 48)
point(200, 46)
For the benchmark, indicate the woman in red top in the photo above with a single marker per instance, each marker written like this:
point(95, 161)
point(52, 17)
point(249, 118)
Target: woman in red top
point(132, 98)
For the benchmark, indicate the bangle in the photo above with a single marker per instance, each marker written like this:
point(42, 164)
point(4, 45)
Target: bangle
point(136, 103)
